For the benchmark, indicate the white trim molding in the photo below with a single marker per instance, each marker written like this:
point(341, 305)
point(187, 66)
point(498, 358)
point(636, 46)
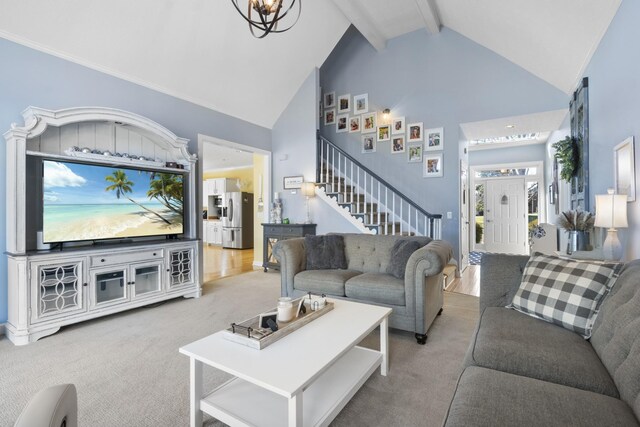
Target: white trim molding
point(331, 201)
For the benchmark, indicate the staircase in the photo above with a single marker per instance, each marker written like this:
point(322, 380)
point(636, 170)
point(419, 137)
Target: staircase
point(366, 200)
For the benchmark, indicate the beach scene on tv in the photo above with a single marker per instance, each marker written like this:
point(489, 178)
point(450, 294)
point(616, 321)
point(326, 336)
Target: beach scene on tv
point(91, 202)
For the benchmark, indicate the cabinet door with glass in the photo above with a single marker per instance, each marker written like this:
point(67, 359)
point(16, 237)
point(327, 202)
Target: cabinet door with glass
point(180, 265)
point(109, 286)
point(57, 289)
point(146, 279)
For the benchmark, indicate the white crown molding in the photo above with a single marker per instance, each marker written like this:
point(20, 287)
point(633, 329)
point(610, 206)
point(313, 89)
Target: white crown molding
point(123, 76)
point(230, 168)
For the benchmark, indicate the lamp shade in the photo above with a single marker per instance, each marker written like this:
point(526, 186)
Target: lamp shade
point(611, 210)
point(308, 189)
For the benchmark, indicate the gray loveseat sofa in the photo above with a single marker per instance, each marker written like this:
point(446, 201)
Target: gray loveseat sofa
point(524, 371)
point(415, 301)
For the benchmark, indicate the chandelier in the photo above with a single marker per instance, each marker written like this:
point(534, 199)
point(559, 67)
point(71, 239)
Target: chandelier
point(264, 15)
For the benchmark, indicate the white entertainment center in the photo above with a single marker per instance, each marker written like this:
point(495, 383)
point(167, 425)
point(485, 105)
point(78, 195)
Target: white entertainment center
point(51, 288)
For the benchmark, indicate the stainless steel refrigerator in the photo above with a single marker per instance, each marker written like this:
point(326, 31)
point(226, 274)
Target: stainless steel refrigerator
point(237, 223)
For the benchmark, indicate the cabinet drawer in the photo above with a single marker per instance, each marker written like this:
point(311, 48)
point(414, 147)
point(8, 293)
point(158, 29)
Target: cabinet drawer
point(126, 257)
point(291, 231)
point(272, 230)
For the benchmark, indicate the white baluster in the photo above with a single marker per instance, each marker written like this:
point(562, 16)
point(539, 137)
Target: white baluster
point(393, 228)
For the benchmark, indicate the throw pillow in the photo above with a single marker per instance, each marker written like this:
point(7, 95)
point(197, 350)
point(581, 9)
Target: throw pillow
point(565, 292)
point(325, 252)
point(400, 253)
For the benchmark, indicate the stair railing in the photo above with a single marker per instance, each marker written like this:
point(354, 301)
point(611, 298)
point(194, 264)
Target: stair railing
point(333, 165)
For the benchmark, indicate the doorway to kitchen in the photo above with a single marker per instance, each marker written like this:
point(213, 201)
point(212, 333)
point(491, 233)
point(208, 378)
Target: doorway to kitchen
point(235, 187)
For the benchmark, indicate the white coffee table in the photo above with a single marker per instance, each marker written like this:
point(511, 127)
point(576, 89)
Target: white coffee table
point(319, 364)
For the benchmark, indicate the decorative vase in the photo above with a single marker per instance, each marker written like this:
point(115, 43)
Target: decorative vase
point(578, 241)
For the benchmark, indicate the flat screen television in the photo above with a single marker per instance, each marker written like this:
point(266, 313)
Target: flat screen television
point(84, 201)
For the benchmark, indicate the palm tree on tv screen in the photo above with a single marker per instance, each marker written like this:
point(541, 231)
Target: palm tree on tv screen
point(122, 185)
point(166, 188)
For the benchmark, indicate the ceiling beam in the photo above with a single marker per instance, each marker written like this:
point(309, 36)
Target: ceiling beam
point(430, 15)
point(354, 12)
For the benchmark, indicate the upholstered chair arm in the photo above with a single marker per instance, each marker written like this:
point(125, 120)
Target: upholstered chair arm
point(423, 282)
point(500, 277)
point(292, 259)
point(52, 406)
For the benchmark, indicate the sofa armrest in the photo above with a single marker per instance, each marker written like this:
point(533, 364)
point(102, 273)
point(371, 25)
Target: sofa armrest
point(500, 277)
point(423, 282)
point(292, 259)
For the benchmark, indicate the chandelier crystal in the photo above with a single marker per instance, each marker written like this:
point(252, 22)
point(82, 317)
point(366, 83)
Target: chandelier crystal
point(263, 16)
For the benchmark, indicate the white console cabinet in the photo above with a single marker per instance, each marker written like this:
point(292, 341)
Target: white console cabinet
point(48, 289)
point(63, 287)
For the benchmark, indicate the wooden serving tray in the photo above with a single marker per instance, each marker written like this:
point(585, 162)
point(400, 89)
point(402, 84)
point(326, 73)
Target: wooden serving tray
point(260, 338)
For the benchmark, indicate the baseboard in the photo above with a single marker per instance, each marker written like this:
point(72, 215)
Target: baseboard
point(257, 264)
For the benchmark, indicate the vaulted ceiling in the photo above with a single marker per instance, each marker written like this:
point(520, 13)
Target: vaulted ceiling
point(201, 50)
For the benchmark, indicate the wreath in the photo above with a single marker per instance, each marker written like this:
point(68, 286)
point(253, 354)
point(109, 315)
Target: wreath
point(568, 153)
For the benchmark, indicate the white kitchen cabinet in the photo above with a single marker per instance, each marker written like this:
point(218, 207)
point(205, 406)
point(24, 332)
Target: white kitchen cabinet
point(213, 234)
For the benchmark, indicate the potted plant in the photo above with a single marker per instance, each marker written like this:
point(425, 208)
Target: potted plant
point(568, 153)
point(578, 224)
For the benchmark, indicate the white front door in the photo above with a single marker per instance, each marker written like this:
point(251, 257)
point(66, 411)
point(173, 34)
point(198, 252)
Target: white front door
point(505, 216)
point(464, 215)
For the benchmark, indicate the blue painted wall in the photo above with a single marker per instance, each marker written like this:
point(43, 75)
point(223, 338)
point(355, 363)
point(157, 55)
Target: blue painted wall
point(294, 137)
point(442, 80)
point(29, 77)
point(614, 110)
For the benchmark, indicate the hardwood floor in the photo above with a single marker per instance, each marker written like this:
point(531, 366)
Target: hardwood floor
point(468, 283)
point(220, 262)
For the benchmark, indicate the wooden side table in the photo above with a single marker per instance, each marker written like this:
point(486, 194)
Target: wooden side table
point(272, 233)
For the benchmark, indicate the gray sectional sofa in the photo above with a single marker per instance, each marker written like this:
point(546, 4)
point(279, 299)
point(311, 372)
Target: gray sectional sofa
point(523, 371)
point(415, 301)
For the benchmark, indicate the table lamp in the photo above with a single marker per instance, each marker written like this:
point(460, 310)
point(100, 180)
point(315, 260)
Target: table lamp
point(308, 189)
point(611, 213)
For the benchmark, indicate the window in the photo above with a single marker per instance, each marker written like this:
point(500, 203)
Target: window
point(533, 204)
point(479, 198)
point(496, 173)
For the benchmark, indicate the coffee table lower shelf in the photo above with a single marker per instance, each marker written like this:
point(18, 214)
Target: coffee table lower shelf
point(241, 403)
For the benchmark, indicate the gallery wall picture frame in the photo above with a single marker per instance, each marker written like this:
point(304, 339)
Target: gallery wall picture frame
point(434, 139)
point(368, 144)
point(361, 104)
point(414, 153)
point(432, 166)
point(625, 168)
point(330, 117)
point(368, 123)
point(354, 124)
point(398, 126)
point(329, 100)
point(292, 182)
point(397, 144)
point(384, 133)
point(344, 103)
point(342, 123)
point(414, 132)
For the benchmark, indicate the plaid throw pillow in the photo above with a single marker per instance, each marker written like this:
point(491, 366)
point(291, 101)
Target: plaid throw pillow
point(564, 292)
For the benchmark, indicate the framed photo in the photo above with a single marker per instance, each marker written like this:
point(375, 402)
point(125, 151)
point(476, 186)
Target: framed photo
point(361, 104)
point(434, 139)
point(329, 100)
point(397, 144)
point(368, 123)
point(398, 126)
point(341, 123)
point(432, 166)
point(384, 133)
point(292, 182)
point(368, 144)
point(415, 153)
point(625, 169)
point(344, 103)
point(354, 124)
point(414, 132)
point(330, 117)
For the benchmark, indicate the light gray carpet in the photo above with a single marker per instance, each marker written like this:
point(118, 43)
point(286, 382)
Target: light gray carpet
point(128, 370)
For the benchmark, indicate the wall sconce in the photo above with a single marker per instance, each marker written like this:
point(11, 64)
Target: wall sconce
point(385, 115)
